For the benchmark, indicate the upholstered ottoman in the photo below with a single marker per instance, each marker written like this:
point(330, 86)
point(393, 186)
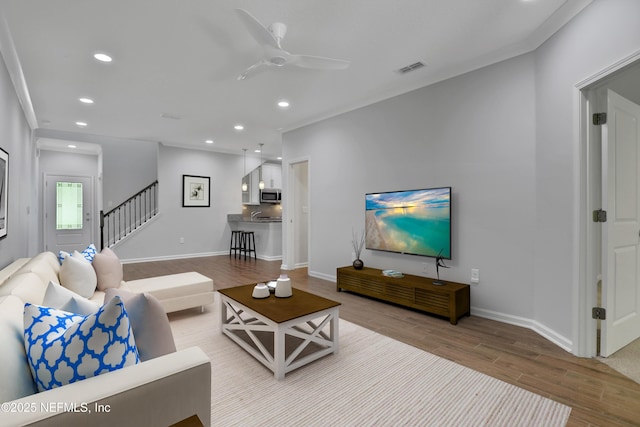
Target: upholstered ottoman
point(176, 291)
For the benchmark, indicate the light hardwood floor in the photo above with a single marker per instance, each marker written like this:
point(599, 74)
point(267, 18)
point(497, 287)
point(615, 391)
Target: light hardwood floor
point(598, 395)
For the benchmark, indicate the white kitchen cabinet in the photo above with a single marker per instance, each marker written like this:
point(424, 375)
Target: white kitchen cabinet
point(272, 175)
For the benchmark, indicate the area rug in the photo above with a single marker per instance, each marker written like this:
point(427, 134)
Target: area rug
point(373, 381)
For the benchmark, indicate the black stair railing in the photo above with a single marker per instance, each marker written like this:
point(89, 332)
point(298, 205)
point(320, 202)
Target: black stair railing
point(128, 215)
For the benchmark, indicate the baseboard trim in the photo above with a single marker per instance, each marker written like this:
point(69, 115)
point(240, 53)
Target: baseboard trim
point(329, 277)
point(559, 340)
point(196, 255)
point(171, 257)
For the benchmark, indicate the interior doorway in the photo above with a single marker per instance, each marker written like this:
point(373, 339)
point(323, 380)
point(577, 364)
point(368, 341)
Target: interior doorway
point(597, 255)
point(298, 214)
point(68, 212)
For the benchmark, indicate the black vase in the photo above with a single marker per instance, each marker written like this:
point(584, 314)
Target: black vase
point(358, 264)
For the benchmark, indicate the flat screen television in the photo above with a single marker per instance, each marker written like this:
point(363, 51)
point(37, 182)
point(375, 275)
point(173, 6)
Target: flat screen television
point(415, 222)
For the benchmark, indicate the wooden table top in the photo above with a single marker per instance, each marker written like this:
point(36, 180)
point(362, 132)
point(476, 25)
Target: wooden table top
point(278, 309)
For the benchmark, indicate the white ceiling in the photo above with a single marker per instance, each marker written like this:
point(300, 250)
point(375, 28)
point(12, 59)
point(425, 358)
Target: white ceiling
point(181, 58)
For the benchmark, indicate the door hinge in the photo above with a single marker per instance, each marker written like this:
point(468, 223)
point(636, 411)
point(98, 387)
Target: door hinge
point(600, 119)
point(599, 215)
point(599, 313)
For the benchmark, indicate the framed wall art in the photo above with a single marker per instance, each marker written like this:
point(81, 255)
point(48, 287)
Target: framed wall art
point(4, 191)
point(195, 191)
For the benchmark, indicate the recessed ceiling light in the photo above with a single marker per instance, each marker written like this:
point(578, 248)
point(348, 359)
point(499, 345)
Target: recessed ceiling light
point(283, 103)
point(86, 100)
point(102, 57)
point(81, 124)
point(239, 127)
point(209, 141)
point(257, 150)
point(279, 157)
point(71, 146)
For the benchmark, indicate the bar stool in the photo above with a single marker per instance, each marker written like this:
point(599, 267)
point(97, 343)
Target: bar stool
point(248, 244)
point(236, 242)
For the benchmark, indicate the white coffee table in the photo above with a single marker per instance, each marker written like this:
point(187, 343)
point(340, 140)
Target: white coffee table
point(281, 333)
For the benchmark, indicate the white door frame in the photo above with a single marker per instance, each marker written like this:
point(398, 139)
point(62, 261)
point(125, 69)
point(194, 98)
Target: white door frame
point(588, 257)
point(92, 204)
point(289, 205)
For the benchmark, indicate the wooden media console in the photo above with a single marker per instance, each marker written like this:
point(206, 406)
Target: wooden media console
point(450, 300)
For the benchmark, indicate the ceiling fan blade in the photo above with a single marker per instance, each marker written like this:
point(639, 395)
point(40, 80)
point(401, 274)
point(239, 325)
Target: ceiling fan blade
point(262, 35)
point(253, 70)
point(318, 62)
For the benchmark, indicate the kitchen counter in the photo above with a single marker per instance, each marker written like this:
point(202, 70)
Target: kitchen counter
point(267, 233)
point(258, 221)
point(239, 218)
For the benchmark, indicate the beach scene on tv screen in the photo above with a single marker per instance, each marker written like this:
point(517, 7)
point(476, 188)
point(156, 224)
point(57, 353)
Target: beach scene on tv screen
point(413, 222)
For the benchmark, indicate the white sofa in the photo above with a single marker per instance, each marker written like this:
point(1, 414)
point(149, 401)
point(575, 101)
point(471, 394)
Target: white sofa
point(157, 392)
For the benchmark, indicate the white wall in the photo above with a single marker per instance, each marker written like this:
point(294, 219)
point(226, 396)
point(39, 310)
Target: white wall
point(15, 138)
point(505, 138)
point(205, 230)
point(128, 167)
point(475, 133)
point(604, 33)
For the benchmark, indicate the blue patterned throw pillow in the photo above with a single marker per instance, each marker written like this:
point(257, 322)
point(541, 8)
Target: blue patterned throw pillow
point(63, 348)
point(89, 254)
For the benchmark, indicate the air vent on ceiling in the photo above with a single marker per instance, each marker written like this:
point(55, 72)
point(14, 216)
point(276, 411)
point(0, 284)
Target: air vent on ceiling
point(412, 67)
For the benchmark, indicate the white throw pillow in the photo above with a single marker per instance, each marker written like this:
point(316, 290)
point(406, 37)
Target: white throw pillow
point(78, 275)
point(63, 348)
point(61, 298)
point(16, 376)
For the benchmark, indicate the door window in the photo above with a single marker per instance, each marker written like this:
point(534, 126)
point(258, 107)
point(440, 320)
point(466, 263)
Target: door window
point(69, 205)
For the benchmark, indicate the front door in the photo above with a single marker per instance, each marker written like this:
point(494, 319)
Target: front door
point(68, 213)
point(621, 231)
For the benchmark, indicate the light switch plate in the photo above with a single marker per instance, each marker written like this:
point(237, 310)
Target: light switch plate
point(475, 275)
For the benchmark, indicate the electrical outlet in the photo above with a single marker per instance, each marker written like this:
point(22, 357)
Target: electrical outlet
point(475, 275)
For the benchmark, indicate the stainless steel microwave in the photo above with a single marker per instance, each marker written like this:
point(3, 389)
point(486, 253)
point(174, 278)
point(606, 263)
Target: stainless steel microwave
point(270, 195)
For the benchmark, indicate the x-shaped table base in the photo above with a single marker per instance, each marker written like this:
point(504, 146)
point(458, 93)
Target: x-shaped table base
point(281, 347)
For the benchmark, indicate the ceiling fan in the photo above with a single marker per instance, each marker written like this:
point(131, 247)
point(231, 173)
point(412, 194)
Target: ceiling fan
point(274, 55)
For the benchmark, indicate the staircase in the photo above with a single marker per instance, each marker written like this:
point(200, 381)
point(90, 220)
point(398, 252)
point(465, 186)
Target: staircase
point(128, 216)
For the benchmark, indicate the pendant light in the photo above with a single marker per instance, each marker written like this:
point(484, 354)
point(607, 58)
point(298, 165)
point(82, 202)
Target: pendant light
point(245, 187)
point(261, 183)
